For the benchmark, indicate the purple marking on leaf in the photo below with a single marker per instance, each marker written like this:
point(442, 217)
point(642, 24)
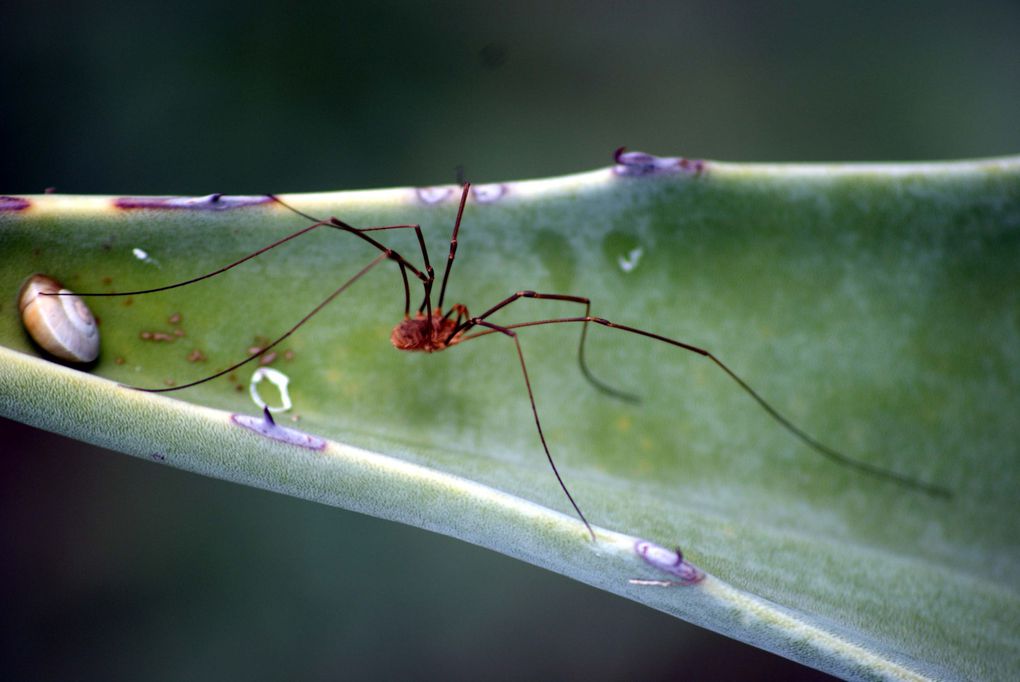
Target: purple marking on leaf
point(13, 203)
point(433, 195)
point(486, 194)
point(211, 202)
point(639, 163)
point(269, 429)
point(669, 561)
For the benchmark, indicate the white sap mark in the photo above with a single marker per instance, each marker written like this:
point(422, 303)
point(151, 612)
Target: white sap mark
point(433, 195)
point(630, 261)
point(639, 163)
point(143, 255)
point(276, 378)
point(485, 194)
point(668, 561)
point(268, 428)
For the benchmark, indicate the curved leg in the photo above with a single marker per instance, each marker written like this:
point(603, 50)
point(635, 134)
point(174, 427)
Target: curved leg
point(427, 279)
point(220, 271)
point(453, 243)
point(534, 411)
point(339, 224)
point(333, 223)
point(329, 299)
point(826, 451)
point(592, 379)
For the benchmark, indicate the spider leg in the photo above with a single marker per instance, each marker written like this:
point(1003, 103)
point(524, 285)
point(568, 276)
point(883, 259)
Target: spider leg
point(426, 279)
point(329, 299)
point(534, 410)
point(453, 242)
point(582, 362)
point(809, 440)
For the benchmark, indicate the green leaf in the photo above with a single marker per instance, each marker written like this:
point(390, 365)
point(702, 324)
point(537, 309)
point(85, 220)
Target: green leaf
point(877, 306)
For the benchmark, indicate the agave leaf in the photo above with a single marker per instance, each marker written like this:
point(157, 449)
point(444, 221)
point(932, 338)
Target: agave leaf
point(878, 306)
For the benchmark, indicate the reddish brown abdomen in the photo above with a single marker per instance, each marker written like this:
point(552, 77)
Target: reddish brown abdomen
point(415, 333)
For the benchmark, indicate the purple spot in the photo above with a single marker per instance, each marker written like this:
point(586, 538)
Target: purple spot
point(486, 194)
point(268, 428)
point(158, 456)
point(211, 202)
point(669, 561)
point(640, 163)
point(433, 195)
point(14, 203)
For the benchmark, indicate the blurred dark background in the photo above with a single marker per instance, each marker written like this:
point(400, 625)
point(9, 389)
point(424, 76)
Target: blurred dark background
point(114, 568)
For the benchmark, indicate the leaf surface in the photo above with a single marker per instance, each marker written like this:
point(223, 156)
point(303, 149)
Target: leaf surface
point(877, 306)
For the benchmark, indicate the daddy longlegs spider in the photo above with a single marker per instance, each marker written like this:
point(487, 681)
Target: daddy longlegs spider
point(430, 330)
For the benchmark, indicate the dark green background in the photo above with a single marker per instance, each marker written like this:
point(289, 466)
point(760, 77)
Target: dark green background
point(113, 568)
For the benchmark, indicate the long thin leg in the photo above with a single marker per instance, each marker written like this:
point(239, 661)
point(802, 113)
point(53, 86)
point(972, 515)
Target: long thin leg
point(430, 275)
point(429, 272)
point(426, 301)
point(453, 243)
point(220, 271)
point(595, 381)
point(329, 299)
point(406, 226)
point(333, 223)
point(818, 446)
point(538, 422)
point(426, 279)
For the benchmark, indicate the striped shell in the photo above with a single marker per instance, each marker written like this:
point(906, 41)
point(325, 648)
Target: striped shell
point(63, 326)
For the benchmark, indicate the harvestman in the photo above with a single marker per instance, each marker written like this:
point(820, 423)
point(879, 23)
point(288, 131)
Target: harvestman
point(430, 330)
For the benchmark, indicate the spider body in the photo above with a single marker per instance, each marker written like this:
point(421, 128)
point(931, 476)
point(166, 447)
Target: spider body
point(418, 333)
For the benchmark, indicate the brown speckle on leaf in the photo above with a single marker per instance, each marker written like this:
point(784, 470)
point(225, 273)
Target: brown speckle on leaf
point(156, 336)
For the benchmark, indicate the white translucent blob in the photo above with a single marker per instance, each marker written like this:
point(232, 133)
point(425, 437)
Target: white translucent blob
point(143, 255)
point(276, 378)
point(630, 261)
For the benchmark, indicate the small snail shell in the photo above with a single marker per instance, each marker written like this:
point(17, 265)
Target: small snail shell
point(62, 325)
